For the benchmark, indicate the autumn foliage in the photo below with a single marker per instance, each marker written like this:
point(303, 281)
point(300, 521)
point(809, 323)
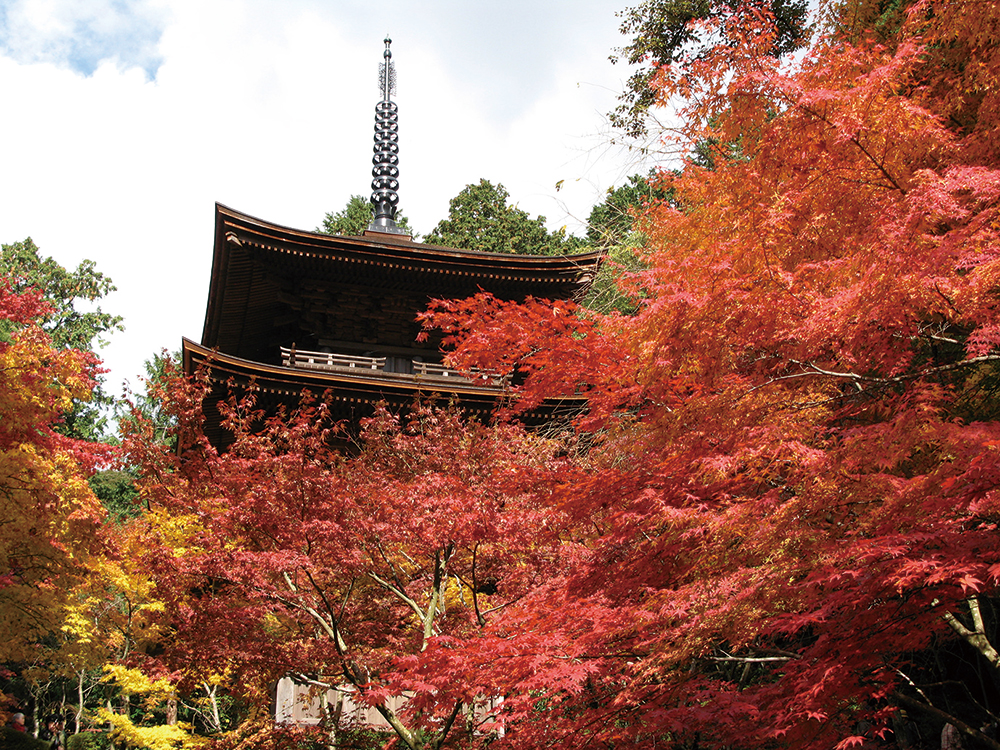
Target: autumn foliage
point(792, 492)
point(49, 519)
point(284, 556)
point(772, 524)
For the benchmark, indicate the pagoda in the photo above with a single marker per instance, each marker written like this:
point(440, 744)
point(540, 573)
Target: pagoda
point(291, 310)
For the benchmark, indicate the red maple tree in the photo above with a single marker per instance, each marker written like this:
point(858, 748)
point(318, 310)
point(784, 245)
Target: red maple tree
point(780, 519)
point(284, 556)
point(791, 496)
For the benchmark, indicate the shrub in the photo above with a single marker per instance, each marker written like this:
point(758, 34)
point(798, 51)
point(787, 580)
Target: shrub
point(88, 741)
point(12, 739)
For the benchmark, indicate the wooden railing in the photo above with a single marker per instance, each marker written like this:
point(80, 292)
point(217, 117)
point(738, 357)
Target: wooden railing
point(431, 370)
point(291, 357)
point(329, 361)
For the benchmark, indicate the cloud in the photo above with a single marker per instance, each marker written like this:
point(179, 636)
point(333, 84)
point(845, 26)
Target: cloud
point(82, 34)
point(268, 108)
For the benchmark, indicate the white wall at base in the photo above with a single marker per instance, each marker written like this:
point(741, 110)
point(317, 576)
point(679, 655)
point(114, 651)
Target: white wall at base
point(299, 704)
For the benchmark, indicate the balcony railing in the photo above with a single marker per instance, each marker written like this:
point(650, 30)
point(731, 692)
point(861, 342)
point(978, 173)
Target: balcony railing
point(306, 360)
point(329, 361)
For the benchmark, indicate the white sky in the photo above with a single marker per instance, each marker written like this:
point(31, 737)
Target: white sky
point(126, 120)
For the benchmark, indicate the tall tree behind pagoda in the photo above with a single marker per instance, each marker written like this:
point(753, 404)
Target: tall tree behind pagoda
point(284, 557)
point(614, 225)
point(664, 32)
point(74, 319)
point(354, 218)
point(480, 218)
point(796, 494)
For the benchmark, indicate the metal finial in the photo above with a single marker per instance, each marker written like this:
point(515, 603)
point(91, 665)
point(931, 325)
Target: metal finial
point(385, 172)
point(387, 73)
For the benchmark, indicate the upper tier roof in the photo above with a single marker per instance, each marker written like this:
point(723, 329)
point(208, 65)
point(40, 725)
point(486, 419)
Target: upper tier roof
point(261, 271)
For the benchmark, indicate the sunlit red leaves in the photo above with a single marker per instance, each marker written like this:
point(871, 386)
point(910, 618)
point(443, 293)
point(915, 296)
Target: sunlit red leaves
point(796, 456)
point(283, 555)
point(784, 477)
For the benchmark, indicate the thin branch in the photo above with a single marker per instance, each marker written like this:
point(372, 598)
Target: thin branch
point(447, 725)
point(475, 585)
point(946, 299)
point(960, 725)
point(856, 141)
point(330, 628)
point(392, 589)
point(914, 686)
point(347, 596)
point(814, 370)
point(322, 595)
point(749, 659)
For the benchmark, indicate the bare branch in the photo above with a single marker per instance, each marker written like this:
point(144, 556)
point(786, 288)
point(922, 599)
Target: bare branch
point(749, 659)
point(960, 725)
point(394, 590)
point(814, 370)
point(976, 638)
point(447, 726)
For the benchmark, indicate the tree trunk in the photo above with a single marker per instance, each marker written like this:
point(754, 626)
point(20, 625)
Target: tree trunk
point(962, 727)
point(213, 697)
point(110, 725)
point(78, 716)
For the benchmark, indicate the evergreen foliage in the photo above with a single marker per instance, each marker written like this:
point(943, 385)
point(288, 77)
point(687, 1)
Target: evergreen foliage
point(73, 319)
point(480, 218)
point(12, 739)
point(354, 218)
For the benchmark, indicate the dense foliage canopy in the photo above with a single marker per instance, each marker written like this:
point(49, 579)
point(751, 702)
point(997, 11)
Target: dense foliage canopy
point(49, 519)
point(774, 523)
point(283, 557)
point(791, 493)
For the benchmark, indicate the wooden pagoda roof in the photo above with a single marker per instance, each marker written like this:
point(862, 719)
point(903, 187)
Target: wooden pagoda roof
point(351, 395)
point(257, 266)
point(273, 287)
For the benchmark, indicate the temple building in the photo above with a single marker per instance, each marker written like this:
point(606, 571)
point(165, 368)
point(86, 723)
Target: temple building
point(294, 310)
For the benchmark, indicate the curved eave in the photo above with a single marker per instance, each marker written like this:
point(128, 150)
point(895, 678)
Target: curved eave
point(377, 259)
point(287, 381)
point(350, 396)
point(377, 248)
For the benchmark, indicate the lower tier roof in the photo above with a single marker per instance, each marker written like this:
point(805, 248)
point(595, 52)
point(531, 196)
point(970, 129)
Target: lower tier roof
point(352, 396)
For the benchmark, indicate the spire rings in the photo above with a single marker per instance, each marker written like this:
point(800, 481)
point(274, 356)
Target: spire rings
point(385, 170)
point(385, 161)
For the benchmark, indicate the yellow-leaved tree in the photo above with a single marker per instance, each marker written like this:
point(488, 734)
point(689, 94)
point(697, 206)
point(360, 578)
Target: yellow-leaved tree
point(50, 545)
point(151, 694)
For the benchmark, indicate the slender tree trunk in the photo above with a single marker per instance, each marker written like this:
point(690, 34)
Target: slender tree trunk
point(962, 727)
point(324, 707)
point(213, 698)
point(78, 716)
point(110, 725)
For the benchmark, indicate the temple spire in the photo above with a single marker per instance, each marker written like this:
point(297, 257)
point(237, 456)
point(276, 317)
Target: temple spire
point(385, 172)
